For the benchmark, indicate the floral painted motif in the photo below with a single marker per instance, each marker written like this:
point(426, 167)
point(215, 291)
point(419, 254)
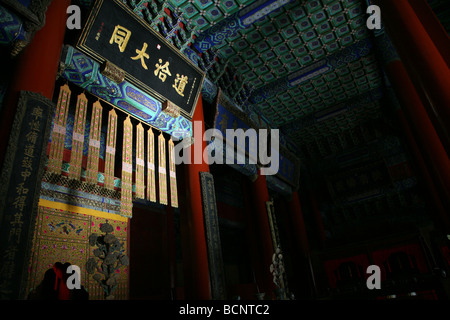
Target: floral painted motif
point(63, 236)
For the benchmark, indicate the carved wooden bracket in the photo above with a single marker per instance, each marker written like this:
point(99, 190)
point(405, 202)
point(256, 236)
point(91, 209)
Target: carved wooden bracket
point(171, 109)
point(113, 72)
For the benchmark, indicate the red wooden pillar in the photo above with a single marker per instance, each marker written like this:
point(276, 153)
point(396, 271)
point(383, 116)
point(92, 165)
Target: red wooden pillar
point(37, 66)
point(442, 218)
point(423, 60)
point(35, 70)
point(252, 236)
point(298, 223)
point(301, 239)
point(196, 278)
point(171, 249)
point(433, 26)
point(260, 195)
point(426, 134)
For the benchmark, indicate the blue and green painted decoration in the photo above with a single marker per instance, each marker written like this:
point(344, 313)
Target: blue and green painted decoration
point(85, 73)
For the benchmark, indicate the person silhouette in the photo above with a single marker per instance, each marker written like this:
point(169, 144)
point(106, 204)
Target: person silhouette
point(54, 286)
point(46, 289)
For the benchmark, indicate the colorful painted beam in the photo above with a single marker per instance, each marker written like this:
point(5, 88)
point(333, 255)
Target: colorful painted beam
point(343, 57)
point(11, 27)
point(85, 73)
point(314, 118)
point(19, 20)
point(229, 27)
point(227, 118)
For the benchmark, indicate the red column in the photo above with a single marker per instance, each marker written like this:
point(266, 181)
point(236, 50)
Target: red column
point(171, 249)
point(252, 236)
point(442, 218)
point(298, 223)
point(37, 66)
point(301, 239)
point(260, 195)
point(426, 135)
point(422, 58)
point(197, 283)
point(433, 26)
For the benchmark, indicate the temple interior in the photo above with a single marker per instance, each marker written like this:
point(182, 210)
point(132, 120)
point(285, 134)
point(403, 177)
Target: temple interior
point(225, 150)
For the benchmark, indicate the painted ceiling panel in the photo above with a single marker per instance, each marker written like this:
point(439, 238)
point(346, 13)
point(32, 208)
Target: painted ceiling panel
point(302, 61)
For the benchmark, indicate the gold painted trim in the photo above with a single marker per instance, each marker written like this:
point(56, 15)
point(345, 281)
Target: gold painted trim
point(171, 109)
point(113, 72)
point(80, 210)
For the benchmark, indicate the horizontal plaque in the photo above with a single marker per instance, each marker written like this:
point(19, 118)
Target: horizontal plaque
point(113, 33)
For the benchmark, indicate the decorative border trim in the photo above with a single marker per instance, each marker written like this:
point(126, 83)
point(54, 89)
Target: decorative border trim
point(71, 208)
point(216, 269)
point(33, 18)
point(84, 72)
point(7, 173)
